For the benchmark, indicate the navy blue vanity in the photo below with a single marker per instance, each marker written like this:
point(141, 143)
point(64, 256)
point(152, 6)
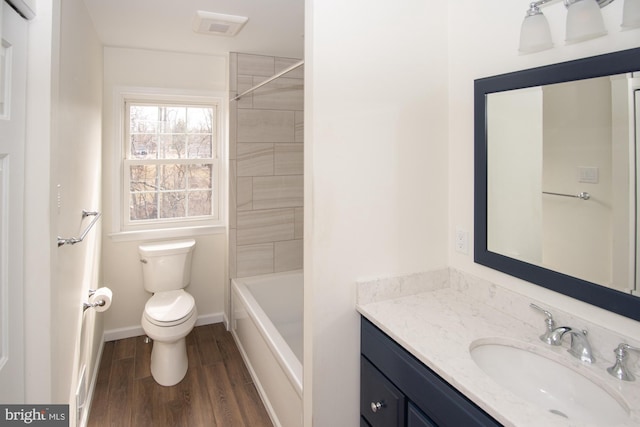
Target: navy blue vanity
point(396, 389)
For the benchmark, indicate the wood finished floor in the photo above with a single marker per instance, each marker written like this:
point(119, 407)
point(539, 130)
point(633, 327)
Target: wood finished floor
point(216, 392)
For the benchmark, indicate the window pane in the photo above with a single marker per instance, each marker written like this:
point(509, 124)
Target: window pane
point(173, 177)
point(172, 146)
point(143, 206)
point(173, 119)
point(200, 176)
point(173, 204)
point(200, 146)
point(199, 203)
point(143, 178)
point(143, 118)
point(143, 146)
point(200, 119)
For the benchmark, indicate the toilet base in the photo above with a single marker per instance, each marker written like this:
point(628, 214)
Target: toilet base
point(169, 362)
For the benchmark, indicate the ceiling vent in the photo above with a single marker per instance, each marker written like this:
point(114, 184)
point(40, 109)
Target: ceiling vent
point(218, 24)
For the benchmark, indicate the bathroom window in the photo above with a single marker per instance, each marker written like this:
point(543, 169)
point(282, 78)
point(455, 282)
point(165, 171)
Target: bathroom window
point(171, 163)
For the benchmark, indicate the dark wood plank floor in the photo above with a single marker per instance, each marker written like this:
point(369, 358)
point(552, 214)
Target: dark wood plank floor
point(216, 392)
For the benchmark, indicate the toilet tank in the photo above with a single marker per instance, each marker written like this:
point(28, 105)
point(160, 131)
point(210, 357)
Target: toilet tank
point(166, 266)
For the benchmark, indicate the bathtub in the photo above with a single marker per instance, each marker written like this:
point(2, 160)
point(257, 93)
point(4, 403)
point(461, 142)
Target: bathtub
point(267, 327)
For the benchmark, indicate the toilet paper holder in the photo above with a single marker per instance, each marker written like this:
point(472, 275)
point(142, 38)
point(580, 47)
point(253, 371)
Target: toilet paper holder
point(86, 305)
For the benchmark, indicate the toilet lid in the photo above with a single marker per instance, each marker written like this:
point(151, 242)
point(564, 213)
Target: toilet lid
point(169, 306)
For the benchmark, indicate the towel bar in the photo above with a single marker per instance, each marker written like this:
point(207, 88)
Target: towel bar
point(74, 240)
point(582, 195)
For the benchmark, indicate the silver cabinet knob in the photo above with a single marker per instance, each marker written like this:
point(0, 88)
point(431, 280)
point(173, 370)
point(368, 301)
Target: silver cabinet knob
point(376, 406)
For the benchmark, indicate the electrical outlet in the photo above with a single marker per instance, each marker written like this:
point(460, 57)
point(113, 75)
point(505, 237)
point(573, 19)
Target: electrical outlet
point(461, 242)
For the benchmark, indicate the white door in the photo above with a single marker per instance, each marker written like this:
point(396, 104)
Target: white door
point(13, 70)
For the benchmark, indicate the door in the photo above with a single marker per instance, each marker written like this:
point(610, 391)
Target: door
point(13, 70)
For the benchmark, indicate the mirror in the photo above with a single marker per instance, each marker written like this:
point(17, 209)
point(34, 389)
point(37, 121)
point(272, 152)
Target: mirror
point(555, 177)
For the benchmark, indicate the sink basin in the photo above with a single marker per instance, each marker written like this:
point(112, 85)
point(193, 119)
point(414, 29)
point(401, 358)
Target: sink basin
point(549, 384)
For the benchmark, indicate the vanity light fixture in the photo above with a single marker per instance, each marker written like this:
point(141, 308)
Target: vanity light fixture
point(535, 34)
point(584, 22)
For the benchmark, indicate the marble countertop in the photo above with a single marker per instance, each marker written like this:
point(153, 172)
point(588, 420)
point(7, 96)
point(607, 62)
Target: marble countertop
point(438, 326)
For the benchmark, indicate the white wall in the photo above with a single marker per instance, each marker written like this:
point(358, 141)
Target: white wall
point(75, 157)
point(483, 41)
point(120, 259)
point(375, 174)
point(63, 147)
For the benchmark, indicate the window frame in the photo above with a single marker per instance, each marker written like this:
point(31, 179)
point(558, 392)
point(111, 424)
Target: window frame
point(123, 227)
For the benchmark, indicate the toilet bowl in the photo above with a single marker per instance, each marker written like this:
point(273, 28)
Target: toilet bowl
point(165, 322)
point(170, 314)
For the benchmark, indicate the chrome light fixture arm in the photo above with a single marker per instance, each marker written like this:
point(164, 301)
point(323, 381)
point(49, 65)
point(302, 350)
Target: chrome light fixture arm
point(567, 3)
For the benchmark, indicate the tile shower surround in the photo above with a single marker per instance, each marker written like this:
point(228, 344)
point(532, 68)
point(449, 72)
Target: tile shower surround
point(266, 167)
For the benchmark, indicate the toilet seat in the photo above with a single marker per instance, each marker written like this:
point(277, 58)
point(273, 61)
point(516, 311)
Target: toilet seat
point(169, 308)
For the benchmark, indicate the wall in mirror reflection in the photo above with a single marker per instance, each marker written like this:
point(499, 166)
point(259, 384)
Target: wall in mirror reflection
point(566, 139)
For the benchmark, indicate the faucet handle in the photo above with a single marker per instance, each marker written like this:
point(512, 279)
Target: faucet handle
point(551, 324)
point(620, 369)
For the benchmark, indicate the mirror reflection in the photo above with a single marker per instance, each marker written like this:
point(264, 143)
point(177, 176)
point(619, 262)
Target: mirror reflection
point(561, 177)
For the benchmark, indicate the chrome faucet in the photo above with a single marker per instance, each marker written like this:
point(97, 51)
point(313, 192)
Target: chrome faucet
point(620, 369)
point(556, 335)
point(580, 347)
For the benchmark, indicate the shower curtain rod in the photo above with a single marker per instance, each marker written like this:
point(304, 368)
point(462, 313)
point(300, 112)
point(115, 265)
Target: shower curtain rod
point(270, 79)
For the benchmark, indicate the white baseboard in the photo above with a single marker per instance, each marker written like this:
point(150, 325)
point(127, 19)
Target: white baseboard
point(136, 331)
point(92, 386)
point(227, 324)
point(122, 333)
point(209, 319)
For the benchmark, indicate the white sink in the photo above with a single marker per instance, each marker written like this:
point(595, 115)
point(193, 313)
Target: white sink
point(549, 384)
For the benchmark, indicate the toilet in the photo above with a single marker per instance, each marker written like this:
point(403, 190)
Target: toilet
point(170, 314)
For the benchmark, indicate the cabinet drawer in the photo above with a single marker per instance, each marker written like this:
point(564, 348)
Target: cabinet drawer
point(417, 418)
point(381, 403)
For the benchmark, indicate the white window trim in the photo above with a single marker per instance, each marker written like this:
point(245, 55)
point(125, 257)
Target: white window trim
point(120, 96)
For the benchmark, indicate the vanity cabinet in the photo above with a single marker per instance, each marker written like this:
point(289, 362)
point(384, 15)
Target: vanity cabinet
point(398, 390)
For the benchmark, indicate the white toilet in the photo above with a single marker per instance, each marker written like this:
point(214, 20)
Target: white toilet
point(170, 313)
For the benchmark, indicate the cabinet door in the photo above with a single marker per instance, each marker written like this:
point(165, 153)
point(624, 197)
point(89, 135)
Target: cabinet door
point(417, 418)
point(381, 403)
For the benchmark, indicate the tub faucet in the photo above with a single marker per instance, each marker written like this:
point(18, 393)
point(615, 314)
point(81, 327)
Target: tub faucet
point(580, 347)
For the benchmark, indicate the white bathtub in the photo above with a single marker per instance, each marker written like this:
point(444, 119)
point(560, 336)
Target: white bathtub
point(267, 327)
